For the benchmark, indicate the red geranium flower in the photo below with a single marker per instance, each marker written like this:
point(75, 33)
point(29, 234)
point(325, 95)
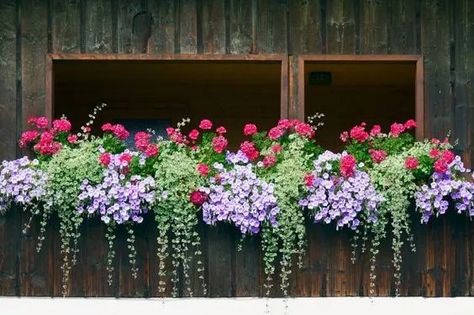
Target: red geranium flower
point(440, 166)
point(448, 156)
point(410, 123)
point(151, 150)
point(198, 197)
point(28, 137)
point(105, 159)
point(358, 133)
point(309, 180)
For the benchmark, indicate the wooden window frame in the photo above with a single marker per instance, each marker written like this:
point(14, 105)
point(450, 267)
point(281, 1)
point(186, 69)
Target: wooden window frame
point(297, 108)
point(282, 59)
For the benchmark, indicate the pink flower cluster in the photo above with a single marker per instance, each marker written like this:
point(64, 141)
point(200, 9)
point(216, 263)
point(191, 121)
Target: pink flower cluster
point(117, 130)
point(443, 160)
point(284, 125)
point(347, 165)
point(61, 125)
point(39, 122)
point(219, 143)
point(203, 169)
point(396, 128)
point(45, 141)
point(175, 135)
point(411, 163)
point(250, 151)
point(377, 155)
point(250, 129)
point(47, 145)
point(359, 134)
point(142, 143)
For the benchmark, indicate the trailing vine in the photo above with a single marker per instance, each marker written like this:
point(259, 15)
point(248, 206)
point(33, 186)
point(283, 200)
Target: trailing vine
point(66, 171)
point(177, 216)
point(288, 237)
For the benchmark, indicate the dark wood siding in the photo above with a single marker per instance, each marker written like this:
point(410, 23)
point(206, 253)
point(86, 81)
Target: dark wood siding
point(442, 31)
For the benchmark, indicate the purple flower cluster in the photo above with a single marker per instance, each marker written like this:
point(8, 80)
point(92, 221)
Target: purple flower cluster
point(333, 197)
point(433, 199)
point(118, 197)
point(239, 197)
point(21, 182)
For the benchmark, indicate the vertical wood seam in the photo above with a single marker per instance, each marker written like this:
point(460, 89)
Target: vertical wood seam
point(114, 5)
point(323, 27)
point(199, 27)
point(82, 23)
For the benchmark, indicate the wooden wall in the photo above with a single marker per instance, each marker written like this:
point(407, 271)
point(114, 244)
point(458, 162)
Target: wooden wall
point(440, 30)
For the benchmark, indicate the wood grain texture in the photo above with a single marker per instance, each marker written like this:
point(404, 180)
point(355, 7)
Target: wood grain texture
point(188, 26)
point(8, 80)
point(340, 26)
point(240, 30)
point(163, 32)
point(271, 28)
point(402, 27)
point(10, 223)
point(436, 52)
point(134, 27)
point(373, 27)
point(464, 77)
point(213, 26)
point(98, 26)
point(66, 26)
point(305, 34)
point(35, 269)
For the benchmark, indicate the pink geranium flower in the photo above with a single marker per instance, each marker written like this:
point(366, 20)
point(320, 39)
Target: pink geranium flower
point(219, 144)
point(275, 133)
point(250, 129)
point(105, 159)
point(62, 125)
point(193, 134)
point(347, 165)
point(249, 150)
point(72, 139)
point(377, 155)
point(396, 129)
point(221, 130)
point(376, 130)
point(205, 124)
point(411, 163)
point(203, 169)
point(358, 133)
point(410, 123)
point(151, 150)
point(269, 160)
